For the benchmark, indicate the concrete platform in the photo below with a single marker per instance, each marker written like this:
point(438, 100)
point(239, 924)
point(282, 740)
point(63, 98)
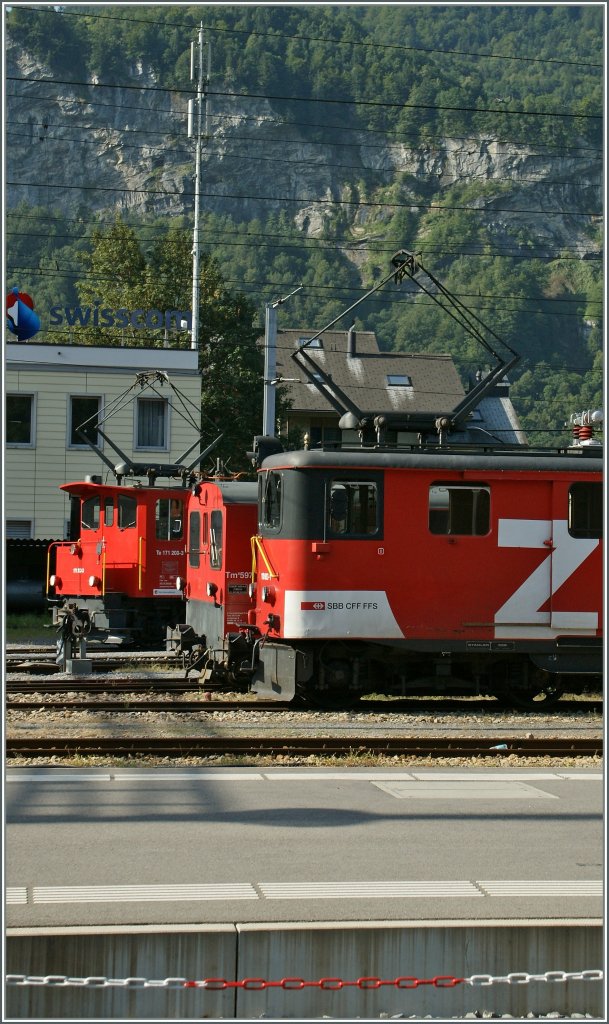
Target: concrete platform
point(108, 847)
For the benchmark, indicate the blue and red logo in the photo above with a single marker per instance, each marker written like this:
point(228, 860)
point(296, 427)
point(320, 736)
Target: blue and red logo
point(20, 316)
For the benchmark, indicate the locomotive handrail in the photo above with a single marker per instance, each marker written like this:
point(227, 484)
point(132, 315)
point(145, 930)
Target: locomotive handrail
point(139, 562)
point(256, 542)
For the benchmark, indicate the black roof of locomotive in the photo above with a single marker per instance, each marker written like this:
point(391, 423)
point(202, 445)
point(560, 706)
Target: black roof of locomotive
point(577, 459)
point(236, 492)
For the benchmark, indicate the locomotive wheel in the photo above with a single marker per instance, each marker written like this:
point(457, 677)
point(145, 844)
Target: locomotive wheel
point(545, 695)
point(532, 689)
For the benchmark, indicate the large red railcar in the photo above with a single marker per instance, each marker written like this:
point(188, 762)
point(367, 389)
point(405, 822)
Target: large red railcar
point(120, 576)
point(440, 570)
point(434, 568)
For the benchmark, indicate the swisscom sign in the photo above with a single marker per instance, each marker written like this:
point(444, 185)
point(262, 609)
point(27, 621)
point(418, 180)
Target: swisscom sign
point(22, 321)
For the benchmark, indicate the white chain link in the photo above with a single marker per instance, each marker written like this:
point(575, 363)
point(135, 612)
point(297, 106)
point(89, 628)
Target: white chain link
point(65, 981)
point(522, 978)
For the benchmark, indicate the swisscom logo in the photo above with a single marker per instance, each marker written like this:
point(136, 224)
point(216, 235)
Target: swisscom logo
point(25, 323)
point(20, 316)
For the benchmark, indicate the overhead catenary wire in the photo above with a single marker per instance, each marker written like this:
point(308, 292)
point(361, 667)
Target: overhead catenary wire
point(333, 41)
point(382, 104)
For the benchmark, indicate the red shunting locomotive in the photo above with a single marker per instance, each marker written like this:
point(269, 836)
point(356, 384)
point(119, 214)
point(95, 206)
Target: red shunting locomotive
point(119, 579)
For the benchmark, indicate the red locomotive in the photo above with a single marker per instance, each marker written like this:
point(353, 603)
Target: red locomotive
point(119, 578)
point(431, 567)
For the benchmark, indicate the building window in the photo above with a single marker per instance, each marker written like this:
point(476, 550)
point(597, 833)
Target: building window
point(353, 507)
point(398, 380)
point(20, 420)
point(586, 510)
point(151, 426)
point(317, 343)
point(459, 510)
point(84, 413)
point(19, 529)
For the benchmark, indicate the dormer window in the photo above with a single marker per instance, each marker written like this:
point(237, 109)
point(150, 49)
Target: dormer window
point(316, 343)
point(398, 380)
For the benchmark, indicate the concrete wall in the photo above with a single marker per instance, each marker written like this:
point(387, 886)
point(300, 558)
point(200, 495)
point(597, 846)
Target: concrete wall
point(309, 951)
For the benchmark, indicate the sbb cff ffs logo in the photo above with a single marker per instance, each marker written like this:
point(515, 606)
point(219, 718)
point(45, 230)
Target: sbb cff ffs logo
point(313, 606)
point(20, 316)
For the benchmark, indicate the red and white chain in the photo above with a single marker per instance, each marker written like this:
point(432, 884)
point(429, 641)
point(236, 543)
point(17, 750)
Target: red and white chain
point(332, 984)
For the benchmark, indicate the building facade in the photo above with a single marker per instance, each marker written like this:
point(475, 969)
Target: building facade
point(51, 391)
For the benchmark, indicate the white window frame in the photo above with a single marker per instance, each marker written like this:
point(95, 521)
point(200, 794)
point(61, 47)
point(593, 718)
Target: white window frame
point(147, 447)
point(33, 408)
point(82, 446)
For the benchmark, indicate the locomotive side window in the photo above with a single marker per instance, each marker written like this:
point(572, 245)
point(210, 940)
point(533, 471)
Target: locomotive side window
point(126, 512)
point(586, 510)
point(271, 501)
point(459, 510)
point(352, 507)
point(108, 511)
point(90, 514)
point(215, 540)
point(168, 519)
point(194, 544)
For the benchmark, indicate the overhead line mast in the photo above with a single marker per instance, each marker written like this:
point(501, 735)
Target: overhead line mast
point(195, 127)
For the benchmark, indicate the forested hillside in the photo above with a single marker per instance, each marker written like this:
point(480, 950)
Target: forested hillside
point(335, 135)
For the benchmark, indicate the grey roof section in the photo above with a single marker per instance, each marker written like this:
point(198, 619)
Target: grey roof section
point(435, 383)
point(435, 387)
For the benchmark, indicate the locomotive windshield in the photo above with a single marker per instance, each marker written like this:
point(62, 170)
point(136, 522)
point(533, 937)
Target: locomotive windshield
point(270, 510)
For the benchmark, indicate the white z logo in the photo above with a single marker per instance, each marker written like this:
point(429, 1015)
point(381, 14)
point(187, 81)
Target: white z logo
point(520, 615)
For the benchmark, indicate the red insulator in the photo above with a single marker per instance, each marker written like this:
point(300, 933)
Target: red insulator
point(575, 432)
point(585, 433)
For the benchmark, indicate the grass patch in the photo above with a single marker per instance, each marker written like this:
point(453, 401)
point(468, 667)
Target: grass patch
point(28, 627)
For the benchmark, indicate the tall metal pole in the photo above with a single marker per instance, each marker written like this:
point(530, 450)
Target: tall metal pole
point(196, 129)
point(270, 363)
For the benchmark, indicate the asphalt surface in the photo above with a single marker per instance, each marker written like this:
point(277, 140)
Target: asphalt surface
point(203, 845)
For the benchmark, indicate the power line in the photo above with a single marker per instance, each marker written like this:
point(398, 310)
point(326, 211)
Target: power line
point(300, 124)
point(284, 162)
point(388, 301)
point(305, 200)
point(379, 104)
point(313, 245)
point(319, 39)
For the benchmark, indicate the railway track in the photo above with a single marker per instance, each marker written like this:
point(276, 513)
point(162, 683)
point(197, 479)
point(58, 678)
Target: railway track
point(154, 704)
point(181, 747)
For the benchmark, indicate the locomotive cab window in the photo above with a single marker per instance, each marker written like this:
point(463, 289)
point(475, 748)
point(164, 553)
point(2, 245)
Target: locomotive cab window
point(126, 512)
point(460, 510)
point(215, 540)
point(90, 513)
point(586, 510)
point(169, 519)
point(108, 511)
point(270, 511)
point(352, 508)
point(194, 540)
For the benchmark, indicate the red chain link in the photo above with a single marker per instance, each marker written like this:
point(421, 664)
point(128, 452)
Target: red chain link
point(328, 984)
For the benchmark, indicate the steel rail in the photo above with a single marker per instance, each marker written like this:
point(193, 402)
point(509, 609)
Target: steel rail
point(180, 747)
point(154, 704)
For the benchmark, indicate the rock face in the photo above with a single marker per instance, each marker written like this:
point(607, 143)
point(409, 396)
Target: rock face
point(79, 149)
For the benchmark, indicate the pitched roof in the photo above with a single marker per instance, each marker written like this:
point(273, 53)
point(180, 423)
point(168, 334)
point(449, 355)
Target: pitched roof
point(375, 381)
